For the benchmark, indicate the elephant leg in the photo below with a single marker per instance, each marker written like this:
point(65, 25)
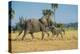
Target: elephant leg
point(47, 34)
point(61, 35)
point(20, 32)
point(24, 34)
point(42, 35)
point(32, 35)
point(52, 34)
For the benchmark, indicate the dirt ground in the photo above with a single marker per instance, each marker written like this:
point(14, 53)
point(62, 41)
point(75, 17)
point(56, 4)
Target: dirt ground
point(70, 41)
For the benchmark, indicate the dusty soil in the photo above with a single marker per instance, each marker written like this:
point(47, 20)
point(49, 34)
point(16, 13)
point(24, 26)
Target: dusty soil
point(70, 41)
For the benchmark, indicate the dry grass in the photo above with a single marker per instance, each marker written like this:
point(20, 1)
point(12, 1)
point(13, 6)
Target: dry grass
point(70, 41)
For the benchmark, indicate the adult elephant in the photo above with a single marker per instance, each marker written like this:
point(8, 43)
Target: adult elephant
point(31, 26)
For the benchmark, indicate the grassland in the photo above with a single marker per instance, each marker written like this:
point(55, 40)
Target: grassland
point(70, 41)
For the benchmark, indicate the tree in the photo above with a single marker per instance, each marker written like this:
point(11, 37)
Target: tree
point(47, 12)
point(54, 7)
